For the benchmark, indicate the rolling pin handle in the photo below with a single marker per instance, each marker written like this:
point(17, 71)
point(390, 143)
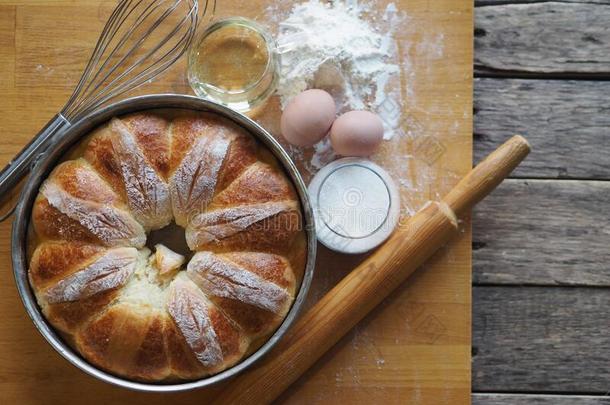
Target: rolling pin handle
point(487, 175)
point(21, 164)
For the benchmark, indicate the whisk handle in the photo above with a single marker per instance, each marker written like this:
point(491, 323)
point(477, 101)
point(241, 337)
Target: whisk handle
point(21, 164)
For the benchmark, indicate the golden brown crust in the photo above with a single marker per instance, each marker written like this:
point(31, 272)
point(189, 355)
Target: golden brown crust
point(259, 183)
point(151, 133)
point(273, 268)
point(150, 361)
point(229, 279)
point(53, 261)
point(241, 154)
point(273, 234)
point(185, 130)
point(78, 179)
point(216, 342)
point(49, 223)
point(207, 155)
point(100, 154)
point(58, 215)
point(254, 321)
point(132, 154)
point(232, 342)
point(182, 361)
point(198, 332)
point(70, 316)
point(115, 340)
point(94, 340)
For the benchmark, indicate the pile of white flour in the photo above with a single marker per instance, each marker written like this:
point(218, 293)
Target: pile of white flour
point(333, 47)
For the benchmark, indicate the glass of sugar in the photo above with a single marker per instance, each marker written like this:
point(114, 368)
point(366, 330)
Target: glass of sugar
point(356, 205)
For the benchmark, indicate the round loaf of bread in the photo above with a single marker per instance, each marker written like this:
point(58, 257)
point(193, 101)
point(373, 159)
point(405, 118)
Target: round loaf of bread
point(145, 311)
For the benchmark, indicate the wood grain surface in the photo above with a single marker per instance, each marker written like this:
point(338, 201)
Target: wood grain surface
point(533, 399)
point(415, 347)
point(537, 339)
point(570, 249)
point(543, 37)
point(566, 121)
point(542, 72)
point(482, 3)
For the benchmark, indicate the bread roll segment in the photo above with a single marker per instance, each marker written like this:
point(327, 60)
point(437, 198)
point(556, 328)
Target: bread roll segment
point(255, 289)
point(146, 190)
point(140, 314)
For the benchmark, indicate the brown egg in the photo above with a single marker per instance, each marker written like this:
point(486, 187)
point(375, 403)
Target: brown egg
point(356, 133)
point(308, 117)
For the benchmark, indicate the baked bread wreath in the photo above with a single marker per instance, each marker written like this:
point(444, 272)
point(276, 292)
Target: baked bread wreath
point(149, 313)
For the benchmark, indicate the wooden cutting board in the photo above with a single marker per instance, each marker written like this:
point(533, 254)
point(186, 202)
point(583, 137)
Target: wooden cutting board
point(414, 348)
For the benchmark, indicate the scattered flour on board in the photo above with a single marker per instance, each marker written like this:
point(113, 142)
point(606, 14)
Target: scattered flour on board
point(344, 47)
point(331, 46)
point(367, 54)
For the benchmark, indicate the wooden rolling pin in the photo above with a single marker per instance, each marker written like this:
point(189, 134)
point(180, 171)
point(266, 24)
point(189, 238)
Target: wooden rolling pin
point(372, 281)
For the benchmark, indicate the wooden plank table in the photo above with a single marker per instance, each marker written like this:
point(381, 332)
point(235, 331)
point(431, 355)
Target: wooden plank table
point(541, 329)
point(415, 348)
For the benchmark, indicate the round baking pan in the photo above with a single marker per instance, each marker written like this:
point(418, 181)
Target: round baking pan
point(75, 133)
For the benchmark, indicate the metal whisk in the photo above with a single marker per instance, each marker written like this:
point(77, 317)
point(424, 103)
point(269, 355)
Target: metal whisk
point(141, 39)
